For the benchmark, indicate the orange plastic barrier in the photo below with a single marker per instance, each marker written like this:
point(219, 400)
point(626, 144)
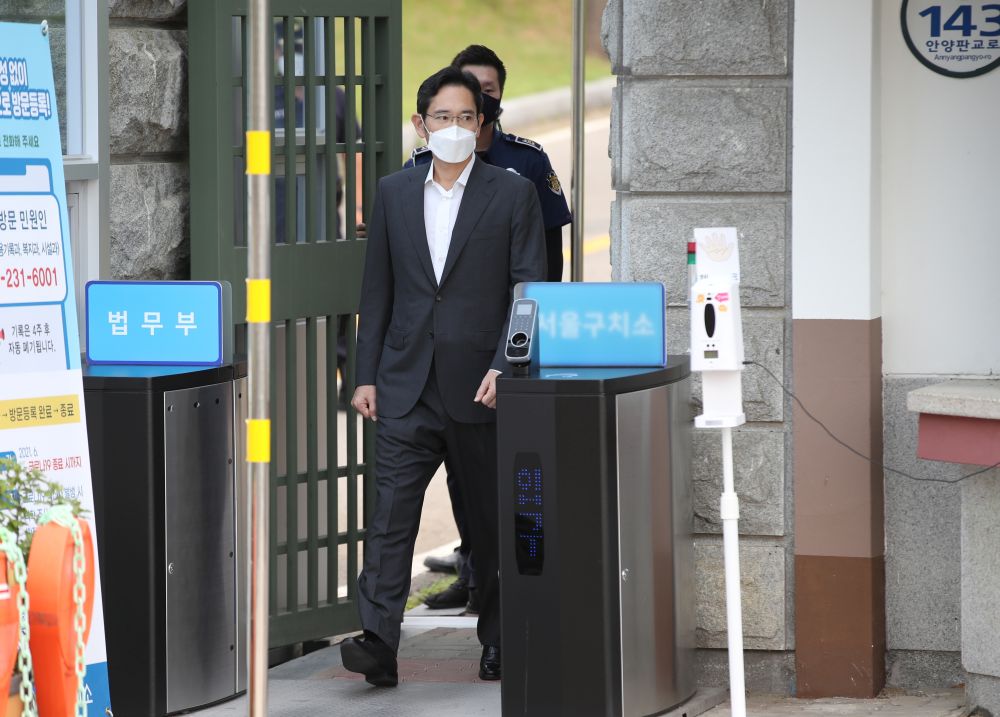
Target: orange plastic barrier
point(9, 625)
point(52, 613)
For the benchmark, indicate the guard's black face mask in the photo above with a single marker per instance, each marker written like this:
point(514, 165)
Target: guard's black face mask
point(491, 109)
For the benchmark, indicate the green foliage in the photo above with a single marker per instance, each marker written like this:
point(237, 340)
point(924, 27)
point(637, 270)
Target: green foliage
point(24, 495)
point(533, 38)
point(434, 588)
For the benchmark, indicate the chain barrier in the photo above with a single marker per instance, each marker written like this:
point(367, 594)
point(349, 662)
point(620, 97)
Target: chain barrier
point(8, 545)
point(63, 515)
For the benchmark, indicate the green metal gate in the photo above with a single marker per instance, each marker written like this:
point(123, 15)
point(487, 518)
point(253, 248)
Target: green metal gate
point(322, 472)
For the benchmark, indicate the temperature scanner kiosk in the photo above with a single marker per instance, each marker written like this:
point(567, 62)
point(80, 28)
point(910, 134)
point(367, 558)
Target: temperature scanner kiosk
point(596, 556)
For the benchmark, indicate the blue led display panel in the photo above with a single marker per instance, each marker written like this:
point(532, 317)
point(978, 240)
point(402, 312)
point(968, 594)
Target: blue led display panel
point(599, 324)
point(529, 514)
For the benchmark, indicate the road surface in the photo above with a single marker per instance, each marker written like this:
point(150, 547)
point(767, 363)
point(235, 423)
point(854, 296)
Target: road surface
point(598, 194)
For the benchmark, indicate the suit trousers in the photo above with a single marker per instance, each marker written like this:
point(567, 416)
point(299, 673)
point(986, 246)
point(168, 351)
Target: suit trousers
point(462, 523)
point(408, 451)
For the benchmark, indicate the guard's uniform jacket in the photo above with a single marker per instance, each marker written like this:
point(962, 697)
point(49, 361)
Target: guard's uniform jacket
point(524, 157)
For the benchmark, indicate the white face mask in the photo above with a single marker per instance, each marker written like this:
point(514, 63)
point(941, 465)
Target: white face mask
point(452, 144)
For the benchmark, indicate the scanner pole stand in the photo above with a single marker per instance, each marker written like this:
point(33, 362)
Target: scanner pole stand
point(722, 393)
point(729, 511)
point(717, 351)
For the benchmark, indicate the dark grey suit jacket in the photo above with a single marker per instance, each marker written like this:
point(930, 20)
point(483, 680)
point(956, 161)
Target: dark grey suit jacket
point(407, 319)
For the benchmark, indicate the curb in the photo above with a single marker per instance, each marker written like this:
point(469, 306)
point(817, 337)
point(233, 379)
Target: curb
point(548, 106)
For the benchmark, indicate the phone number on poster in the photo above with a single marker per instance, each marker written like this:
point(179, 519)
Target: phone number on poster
point(38, 277)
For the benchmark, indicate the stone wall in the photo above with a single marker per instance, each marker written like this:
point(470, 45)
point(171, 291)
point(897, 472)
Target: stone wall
point(700, 136)
point(148, 118)
point(922, 547)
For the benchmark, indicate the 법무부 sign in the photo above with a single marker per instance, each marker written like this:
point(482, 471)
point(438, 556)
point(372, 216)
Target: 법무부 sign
point(173, 323)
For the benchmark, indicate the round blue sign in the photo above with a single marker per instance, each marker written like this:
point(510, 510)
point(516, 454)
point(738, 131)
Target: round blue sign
point(953, 38)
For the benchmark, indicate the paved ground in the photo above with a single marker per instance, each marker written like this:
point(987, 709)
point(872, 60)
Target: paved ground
point(598, 194)
point(942, 704)
point(438, 678)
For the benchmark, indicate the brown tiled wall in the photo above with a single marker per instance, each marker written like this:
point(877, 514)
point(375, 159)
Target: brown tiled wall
point(839, 536)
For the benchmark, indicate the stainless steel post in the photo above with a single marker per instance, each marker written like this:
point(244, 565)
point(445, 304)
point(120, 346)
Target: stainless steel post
point(258, 147)
point(576, 196)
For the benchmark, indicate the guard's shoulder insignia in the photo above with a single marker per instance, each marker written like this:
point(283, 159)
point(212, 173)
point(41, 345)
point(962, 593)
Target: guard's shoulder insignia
point(522, 140)
point(553, 181)
point(418, 151)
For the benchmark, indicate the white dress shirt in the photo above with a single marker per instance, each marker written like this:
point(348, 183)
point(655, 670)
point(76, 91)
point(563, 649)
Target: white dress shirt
point(440, 211)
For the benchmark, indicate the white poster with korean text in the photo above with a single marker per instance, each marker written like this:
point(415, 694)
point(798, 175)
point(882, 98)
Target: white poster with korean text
point(42, 419)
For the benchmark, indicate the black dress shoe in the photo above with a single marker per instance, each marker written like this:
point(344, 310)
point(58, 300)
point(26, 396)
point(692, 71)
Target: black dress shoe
point(371, 657)
point(489, 665)
point(451, 563)
point(455, 595)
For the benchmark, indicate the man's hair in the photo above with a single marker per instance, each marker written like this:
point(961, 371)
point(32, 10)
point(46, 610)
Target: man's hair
point(481, 55)
point(442, 78)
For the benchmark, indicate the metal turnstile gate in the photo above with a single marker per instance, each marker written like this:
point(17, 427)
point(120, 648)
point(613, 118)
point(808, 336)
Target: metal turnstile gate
point(596, 553)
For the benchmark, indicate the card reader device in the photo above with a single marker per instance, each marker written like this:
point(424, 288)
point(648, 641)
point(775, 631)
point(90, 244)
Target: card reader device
point(522, 337)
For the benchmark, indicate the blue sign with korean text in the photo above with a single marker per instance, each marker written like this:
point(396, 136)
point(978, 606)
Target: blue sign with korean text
point(155, 322)
point(953, 38)
point(599, 324)
point(37, 305)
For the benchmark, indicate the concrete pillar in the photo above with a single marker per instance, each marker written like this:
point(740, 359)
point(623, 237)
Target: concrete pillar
point(699, 137)
point(837, 352)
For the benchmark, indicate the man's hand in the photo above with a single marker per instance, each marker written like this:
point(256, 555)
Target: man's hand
point(361, 230)
point(364, 401)
point(487, 393)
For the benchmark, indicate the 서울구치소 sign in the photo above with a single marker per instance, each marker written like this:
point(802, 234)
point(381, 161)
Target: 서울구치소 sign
point(953, 38)
point(599, 324)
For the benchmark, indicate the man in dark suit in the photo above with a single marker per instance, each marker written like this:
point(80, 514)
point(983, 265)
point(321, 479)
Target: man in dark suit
point(524, 157)
point(446, 245)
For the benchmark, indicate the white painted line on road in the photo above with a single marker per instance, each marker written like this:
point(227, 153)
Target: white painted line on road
point(453, 621)
point(418, 560)
point(565, 133)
